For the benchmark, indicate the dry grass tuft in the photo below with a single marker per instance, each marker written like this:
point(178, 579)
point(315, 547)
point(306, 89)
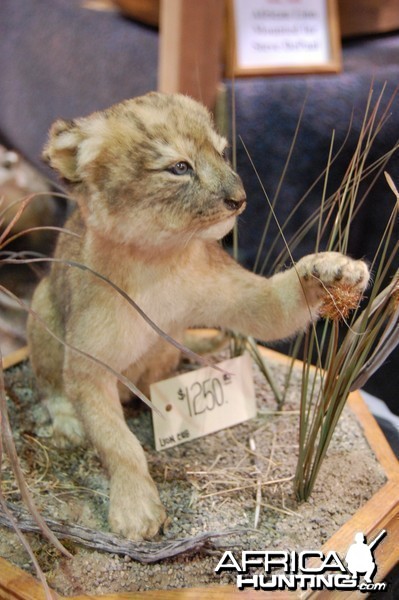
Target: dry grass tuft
point(339, 302)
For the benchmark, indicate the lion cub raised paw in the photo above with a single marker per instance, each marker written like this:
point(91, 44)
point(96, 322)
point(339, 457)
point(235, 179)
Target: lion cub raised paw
point(326, 270)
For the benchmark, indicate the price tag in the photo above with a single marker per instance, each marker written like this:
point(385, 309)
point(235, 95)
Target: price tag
point(202, 402)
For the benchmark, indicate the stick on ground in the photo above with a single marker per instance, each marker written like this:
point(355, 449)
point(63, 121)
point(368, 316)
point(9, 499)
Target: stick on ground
point(144, 552)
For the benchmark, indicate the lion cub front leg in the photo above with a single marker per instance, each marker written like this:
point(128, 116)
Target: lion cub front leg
point(277, 307)
point(135, 509)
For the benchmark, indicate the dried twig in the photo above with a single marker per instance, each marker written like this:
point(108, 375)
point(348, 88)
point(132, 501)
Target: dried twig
point(9, 445)
point(25, 543)
point(143, 552)
point(283, 511)
point(7, 439)
point(252, 446)
point(246, 487)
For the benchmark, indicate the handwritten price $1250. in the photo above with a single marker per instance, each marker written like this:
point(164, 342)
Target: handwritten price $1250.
point(204, 396)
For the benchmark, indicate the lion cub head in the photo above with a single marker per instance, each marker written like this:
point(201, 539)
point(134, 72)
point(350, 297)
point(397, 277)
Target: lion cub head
point(149, 170)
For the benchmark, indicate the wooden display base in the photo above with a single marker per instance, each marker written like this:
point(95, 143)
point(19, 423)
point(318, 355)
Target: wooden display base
point(380, 512)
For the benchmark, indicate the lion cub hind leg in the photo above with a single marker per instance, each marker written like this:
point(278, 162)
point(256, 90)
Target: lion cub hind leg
point(47, 358)
point(67, 427)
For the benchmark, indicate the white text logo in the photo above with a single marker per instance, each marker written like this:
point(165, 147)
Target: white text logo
point(309, 569)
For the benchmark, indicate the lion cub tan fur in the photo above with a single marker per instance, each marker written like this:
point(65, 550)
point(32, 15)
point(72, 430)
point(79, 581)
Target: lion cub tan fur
point(154, 195)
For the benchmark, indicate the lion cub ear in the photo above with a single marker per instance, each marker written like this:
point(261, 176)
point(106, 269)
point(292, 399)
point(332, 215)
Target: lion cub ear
point(61, 150)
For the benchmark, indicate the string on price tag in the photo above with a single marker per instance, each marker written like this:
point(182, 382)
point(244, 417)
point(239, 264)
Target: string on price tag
point(203, 401)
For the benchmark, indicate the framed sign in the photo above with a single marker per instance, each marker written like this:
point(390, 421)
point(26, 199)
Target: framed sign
point(272, 37)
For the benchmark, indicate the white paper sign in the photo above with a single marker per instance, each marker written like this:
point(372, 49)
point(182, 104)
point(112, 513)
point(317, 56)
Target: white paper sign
point(281, 33)
point(202, 402)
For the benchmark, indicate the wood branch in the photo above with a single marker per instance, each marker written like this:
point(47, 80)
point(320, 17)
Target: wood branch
point(144, 552)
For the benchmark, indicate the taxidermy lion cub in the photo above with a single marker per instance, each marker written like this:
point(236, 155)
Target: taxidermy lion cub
point(154, 194)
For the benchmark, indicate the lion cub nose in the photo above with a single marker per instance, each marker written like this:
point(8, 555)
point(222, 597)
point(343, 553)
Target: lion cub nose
point(233, 204)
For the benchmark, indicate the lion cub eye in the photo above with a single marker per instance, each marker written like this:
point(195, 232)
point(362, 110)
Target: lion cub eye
point(180, 168)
